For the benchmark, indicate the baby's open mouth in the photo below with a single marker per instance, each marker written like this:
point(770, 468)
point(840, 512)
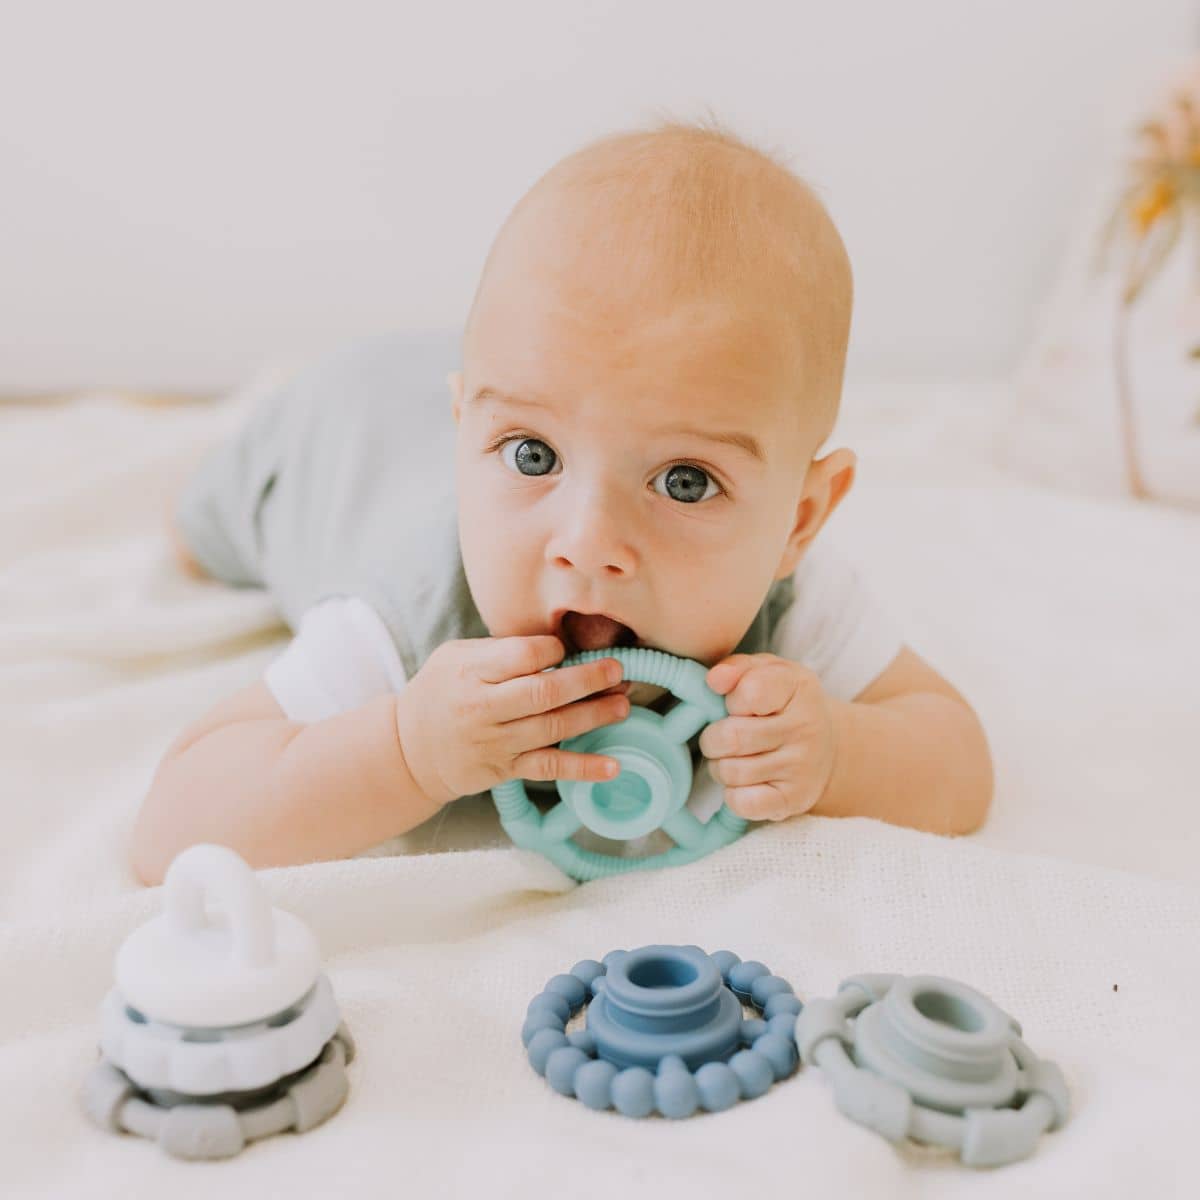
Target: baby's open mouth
point(596, 631)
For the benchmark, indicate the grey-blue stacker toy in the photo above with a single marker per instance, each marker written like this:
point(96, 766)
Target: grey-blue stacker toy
point(932, 1059)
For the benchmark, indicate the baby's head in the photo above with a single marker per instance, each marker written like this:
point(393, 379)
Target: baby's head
point(653, 357)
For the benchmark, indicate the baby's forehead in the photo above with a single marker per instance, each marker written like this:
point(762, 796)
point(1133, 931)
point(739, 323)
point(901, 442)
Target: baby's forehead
point(642, 226)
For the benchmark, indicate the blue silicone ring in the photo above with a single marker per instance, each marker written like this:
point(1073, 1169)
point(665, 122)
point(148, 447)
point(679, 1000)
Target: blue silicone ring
point(653, 786)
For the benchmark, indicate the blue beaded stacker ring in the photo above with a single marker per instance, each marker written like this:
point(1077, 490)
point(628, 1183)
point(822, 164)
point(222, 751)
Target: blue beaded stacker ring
point(664, 1031)
point(652, 789)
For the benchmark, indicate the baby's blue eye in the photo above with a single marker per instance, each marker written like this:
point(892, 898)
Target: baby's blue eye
point(684, 482)
point(533, 456)
point(687, 483)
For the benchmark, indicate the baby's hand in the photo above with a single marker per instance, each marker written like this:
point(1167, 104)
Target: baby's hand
point(775, 751)
point(484, 710)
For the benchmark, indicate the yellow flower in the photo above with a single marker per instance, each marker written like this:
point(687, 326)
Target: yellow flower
point(1151, 204)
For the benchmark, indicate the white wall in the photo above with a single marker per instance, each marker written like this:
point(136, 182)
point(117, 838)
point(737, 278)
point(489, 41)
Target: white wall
point(189, 189)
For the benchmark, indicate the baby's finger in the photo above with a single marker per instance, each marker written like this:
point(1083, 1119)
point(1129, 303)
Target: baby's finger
point(750, 769)
point(763, 690)
point(549, 728)
point(759, 802)
point(548, 762)
point(731, 736)
point(518, 657)
point(550, 690)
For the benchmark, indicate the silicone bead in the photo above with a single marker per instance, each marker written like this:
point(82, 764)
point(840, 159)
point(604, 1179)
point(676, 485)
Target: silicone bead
point(725, 961)
point(743, 976)
point(754, 1073)
point(718, 1086)
point(542, 1045)
point(766, 986)
point(633, 1092)
point(549, 1002)
point(822, 1018)
point(782, 1002)
point(535, 1024)
point(610, 959)
point(779, 1051)
point(753, 1029)
point(582, 1040)
point(572, 990)
point(1047, 1079)
point(587, 970)
point(675, 1092)
point(597, 985)
point(784, 1024)
point(561, 1067)
point(593, 1083)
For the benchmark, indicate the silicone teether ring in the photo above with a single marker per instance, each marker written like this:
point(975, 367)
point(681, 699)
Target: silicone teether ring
point(934, 1060)
point(652, 789)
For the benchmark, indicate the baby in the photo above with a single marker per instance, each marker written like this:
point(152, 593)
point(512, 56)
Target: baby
point(651, 363)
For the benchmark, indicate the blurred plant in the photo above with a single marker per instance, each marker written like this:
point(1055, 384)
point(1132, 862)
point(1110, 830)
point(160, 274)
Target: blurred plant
point(1161, 197)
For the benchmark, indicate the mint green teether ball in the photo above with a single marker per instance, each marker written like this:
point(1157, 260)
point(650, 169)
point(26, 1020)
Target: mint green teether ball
point(653, 786)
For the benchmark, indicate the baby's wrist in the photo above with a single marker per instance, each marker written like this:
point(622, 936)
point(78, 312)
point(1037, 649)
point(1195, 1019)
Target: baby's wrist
point(841, 714)
point(420, 781)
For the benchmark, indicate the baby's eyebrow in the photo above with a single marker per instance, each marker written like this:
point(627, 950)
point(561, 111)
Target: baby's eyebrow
point(491, 393)
point(741, 441)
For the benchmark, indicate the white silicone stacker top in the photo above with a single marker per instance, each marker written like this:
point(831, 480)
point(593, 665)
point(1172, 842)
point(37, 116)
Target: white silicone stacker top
point(184, 969)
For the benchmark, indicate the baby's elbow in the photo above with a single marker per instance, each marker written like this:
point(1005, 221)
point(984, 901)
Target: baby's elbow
point(145, 856)
point(970, 816)
point(974, 800)
point(147, 872)
point(149, 841)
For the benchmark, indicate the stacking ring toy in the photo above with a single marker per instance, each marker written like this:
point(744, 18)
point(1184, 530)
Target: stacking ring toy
point(933, 1060)
point(652, 789)
point(665, 1031)
point(217, 1032)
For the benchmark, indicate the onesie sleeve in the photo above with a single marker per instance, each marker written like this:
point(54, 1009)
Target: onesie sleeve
point(836, 626)
point(341, 657)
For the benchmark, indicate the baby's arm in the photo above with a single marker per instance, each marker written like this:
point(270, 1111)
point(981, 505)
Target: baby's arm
point(911, 751)
point(277, 791)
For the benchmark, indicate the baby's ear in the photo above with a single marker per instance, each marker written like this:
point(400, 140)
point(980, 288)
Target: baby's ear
point(840, 471)
point(454, 381)
point(825, 486)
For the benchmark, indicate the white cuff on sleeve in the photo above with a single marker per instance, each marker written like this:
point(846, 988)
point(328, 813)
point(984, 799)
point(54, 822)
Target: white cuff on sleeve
point(341, 657)
point(836, 627)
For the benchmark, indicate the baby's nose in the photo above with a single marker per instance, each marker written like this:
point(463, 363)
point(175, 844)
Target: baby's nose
point(594, 544)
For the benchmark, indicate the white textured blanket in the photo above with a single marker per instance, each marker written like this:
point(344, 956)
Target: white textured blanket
point(1071, 625)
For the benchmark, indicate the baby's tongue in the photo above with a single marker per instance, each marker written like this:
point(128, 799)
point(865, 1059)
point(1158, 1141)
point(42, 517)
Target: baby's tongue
point(591, 631)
